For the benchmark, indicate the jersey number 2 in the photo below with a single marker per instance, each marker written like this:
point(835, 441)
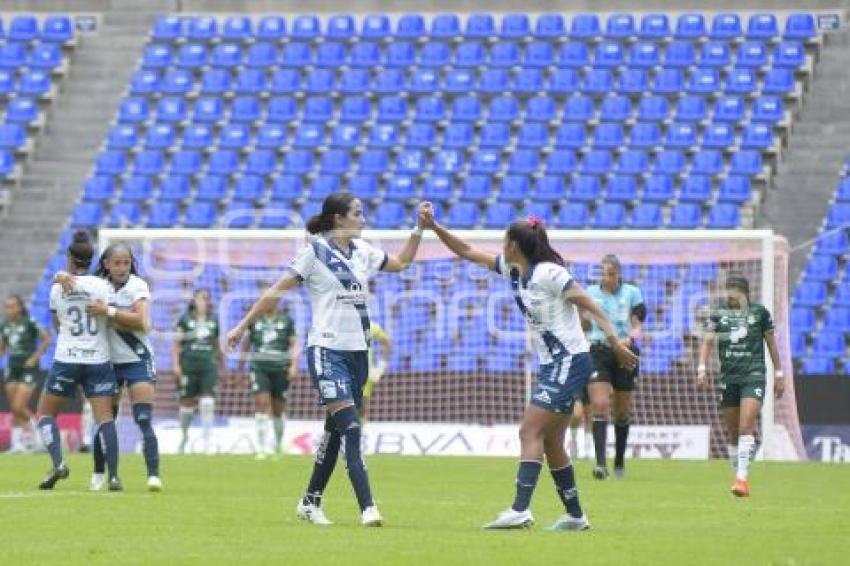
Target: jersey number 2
point(81, 322)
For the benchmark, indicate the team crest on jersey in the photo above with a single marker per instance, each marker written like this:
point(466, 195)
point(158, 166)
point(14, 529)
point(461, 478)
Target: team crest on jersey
point(543, 397)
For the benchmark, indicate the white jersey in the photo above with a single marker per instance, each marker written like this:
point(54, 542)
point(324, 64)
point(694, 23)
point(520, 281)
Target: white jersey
point(338, 288)
point(129, 346)
point(83, 338)
point(556, 323)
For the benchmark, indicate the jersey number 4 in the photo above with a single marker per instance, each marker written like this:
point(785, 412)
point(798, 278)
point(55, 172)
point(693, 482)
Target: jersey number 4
point(81, 322)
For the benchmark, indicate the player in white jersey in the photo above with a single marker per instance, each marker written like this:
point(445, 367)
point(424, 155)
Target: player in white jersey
point(335, 266)
point(81, 359)
point(550, 299)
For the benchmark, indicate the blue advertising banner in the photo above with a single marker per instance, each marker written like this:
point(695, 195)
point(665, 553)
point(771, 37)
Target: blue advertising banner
point(827, 443)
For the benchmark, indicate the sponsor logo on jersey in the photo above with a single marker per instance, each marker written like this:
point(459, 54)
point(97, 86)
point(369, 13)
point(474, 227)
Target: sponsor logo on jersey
point(328, 389)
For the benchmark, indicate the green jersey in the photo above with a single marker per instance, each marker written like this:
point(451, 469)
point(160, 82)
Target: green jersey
point(740, 342)
point(269, 339)
point(199, 337)
point(20, 339)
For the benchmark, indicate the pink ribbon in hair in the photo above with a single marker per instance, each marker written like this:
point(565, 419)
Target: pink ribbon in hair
point(535, 222)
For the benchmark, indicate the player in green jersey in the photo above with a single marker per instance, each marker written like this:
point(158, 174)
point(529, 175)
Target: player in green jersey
point(25, 342)
point(272, 351)
point(741, 329)
point(197, 359)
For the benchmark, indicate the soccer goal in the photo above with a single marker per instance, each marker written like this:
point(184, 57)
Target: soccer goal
point(459, 365)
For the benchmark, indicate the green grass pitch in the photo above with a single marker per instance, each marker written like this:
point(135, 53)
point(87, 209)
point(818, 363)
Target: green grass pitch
point(234, 510)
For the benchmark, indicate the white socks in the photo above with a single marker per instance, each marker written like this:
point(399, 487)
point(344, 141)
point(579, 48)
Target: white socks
point(746, 444)
point(279, 425)
point(207, 410)
point(17, 439)
point(88, 425)
point(732, 450)
point(262, 422)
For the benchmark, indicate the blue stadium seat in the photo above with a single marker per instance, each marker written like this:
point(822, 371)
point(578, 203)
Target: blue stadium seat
point(392, 109)
point(528, 81)
point(234, 136)
point(679, 55)
point(261, 55)
point(493, 81)
point(539, 55)
point(633, 81)
point(198, 136)
point(644, 55)
point(729, 109)
point(424, 81)
point(830, 344)
point(438, 188)
point(622, 188)
point(549, 188)
point(585, 188)
point(499, 215)
point(124, 215)
point(798, 343)
point(690, 26)
point(390, 215)
point(297, 55)
point(633, 162)
point(550, 27)
point(400, 188)
point(838, 215)
point(752, 55)
point(410, 162)
point(653, 108)
point(45, 56)
point(237, 28)
point(459, 81)
point(410, 26)
point(87, 215)
point(238, 214)
point(375, 27)
point(459, 136)
point(723, 216)
point(691, 109)
point(358, 109)
point(480, 26)
point(608, 136)
point(287, 188)
point(741, 81)
point(762, 26)
point(353, 81)
point(364, 187)
point(810, 294)
point(514, 188)
point(324, 185)
point(598, 81)
point(659, 188)
point(681, 135)
point(571, 136)
point(223, 162)
point(111, 163)
point(833, 243)
point(668, 81)
point(789, 54)
point(608, 54)
point(615, 108)
point(167, 28)
point(597, 162)
point(213, 81)
point(504, 54)
point(174, 188)
point(58, 29)
point(13, 55)
point(320, 81)
point(400, 55)
point(384, 136)
point(447, 161)
point(685, 216)
point(757, 136)
point(206, 109)
point(7, 163)
point(746, 163)
point(504, 109)
point(768, 109)
point(121, 136)
point(841, 296)
point(718, 135)
point(35, 82)
point(609, 216)
point(199, 215)
point(212, 188)
point(99, 187)
point(573, 215)
point(162, 215)
point(817, 365)
point(422, 136)
point(445, 27)
point(646, 216)
point(434, 55)
point(515, 27)
point(144, 81)
point(365, 56)
point(309, 136)
point(202, 28)
point(573, 55)
point(695, 188)
point(192, 56)
point(654, 26)
point(726, 26)
point(523, 162)
point(579, 108)
point(707, 162)
point(186, 162)
point(306, 27)
point(429, 109)
point(476, 188)
point(374, 162)
point(779, 81)
point(585, 26)
point(703, 81)
point(645, 135)
point(463, 215)
point(821, 268)
point(137, 188)
point(540, 108)
point(620, 26)
point(156, 56)
point(23, 109)
point(541, 210)
point(259, 162)
point(800, 26)
point(561, 162)
point(316, 109)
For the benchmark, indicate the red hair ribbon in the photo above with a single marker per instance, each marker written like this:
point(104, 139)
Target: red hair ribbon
point(535, 222)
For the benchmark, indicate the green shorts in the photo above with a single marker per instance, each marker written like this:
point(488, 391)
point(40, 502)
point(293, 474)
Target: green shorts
point(198, 381)
point(732, 393)
point(271, 380)
point(17, 373)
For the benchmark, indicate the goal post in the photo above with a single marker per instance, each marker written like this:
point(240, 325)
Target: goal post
point(460, 350)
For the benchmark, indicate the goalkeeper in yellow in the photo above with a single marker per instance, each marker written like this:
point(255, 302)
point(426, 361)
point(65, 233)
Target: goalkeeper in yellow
point(379, 360)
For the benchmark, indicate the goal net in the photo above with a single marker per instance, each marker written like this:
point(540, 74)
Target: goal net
point(460, 364)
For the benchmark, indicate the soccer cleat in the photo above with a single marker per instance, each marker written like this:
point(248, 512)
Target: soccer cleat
point(600, 472)
point(312, 513)
point(619, 472)
point(61, 472)
point(97, 482)
point(154, 484)
point(115, 485)
point(371, 517)
point(510, 519)
point(741, 488)
point(569, 523)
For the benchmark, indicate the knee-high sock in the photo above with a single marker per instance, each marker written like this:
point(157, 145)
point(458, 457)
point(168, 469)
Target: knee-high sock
point(526, 480)
point(51, 439)
point(279, 424)
point(207, 410)
point(348, 425)
point(565, 484)
point(600, 438)
point(621, 438)
point(324, 464)
point(745, 449)
point(97, 447)
point(143, 415)
point(186, 415)
point(89, 429)
point(109, 440)
point(732, 451)
point(261, 421)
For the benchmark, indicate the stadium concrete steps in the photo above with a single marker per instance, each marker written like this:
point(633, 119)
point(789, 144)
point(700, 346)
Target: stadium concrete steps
point(79, 119)
point(818, 145)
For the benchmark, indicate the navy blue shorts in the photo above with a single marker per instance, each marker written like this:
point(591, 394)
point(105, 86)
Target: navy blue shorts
point(560, 383)
point(338, 375)
point(135, 372)
point(97, 380)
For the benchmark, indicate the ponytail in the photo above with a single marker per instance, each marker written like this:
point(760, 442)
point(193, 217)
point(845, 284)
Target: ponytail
point(336, 203)
point(533, 241)
point(81, 250)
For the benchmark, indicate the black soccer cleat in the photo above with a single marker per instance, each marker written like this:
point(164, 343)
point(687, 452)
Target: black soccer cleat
point(115, 485)
point(59, 473)
point(600, 472)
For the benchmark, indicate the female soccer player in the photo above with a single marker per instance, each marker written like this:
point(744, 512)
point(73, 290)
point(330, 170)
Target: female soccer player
point(81, 359)
point(196, 359)
point(25, 342)
point(271, 347)
point(377, 366)
point(549, 298)
point(623, 304)
point(741, 329)
point(335, 266)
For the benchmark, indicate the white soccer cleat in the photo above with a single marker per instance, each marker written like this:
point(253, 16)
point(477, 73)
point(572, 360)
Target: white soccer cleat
point(311, 513)
point(154, 484)
point(97, 482)
point(569, 523)
point(511, 519)
point(371, 517)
